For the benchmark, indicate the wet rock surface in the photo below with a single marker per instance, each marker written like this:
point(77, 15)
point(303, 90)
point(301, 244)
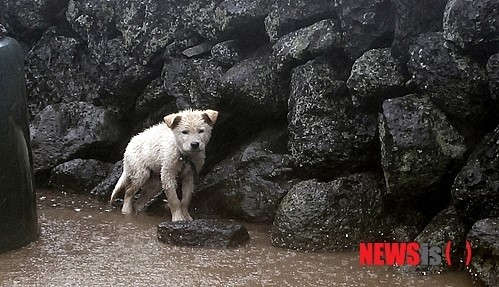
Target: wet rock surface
point(493, 74)
point(472, 25)
point(413, 17)
point(64, 131)
point(375, 76)
point(333, 215)
point(456, 83)
point(252, 87)
point(105, 187)
point(203, 232)
point(249, 184)
point(299, 46)
point(475, 192)
point(484, 238)
point(79, 174)
point(446, 226)
point(286, 17)
point(327, 134)
point(194, 84)
point(419, 147)
point(366, 24)
point(311, 75)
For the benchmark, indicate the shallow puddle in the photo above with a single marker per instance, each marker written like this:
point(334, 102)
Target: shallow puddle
point(84, 243)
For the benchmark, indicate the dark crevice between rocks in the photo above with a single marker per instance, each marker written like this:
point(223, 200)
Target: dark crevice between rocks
point(232, 130)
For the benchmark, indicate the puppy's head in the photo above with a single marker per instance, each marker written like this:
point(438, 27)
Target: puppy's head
point(192, 129)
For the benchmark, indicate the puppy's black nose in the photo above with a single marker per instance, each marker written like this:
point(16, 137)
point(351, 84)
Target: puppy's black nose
point(194, 145)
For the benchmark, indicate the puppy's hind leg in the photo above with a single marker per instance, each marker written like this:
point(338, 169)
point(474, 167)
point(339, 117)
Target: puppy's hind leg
point(140, 177)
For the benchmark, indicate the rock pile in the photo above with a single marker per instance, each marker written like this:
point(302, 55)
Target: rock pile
point(345, 114)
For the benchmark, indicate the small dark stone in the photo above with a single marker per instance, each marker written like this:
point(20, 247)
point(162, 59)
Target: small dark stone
point(203, 232)
point(484, 239)
point(197, 50)
point(227, 53)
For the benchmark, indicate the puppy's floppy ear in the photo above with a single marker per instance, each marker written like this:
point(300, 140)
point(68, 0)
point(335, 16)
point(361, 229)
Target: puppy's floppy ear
point(210, 117)
point(172, 120)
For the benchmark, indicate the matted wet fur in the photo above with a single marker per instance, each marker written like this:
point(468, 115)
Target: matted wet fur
point(158, 150)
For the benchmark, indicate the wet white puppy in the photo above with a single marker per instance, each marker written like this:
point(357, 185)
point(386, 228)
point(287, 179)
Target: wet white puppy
point(173, 147)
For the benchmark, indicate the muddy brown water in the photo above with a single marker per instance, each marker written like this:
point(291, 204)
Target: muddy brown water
point(84, 243)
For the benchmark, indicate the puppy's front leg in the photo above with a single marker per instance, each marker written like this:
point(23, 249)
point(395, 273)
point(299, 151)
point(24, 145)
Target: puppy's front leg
point(170, 187)
point(187, 189)
point(174, 204)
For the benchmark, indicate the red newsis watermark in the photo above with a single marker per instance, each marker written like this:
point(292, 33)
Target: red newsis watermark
point(406, 253)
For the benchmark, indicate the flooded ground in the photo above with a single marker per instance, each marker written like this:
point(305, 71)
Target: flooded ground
point(84, 243)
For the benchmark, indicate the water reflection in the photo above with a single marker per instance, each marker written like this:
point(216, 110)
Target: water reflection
point(83, 243)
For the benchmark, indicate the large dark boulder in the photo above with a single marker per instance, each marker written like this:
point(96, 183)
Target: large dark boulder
point(79, 175)
point(414, 17)
point(56, 73)
point(456, 83)
point(493, 74)
point(375, 76)
point(27, 20)
point(484, 238)
point(203, 232)
point(254, 89)
point(367, 24)
point(193, 82)
point(234, 16)
point(251, 182)
point(288, 16)
point(328, 136)
point(110, 53)
point(299, 46)
point(420, 151)
point(476, 189)
point(473, 26)
point(333, 216)
point(64, 131)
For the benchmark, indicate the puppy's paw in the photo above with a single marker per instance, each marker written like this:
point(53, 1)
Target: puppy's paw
point(178, 216)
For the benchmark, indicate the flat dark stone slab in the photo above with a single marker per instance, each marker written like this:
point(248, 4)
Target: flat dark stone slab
point(203, 232)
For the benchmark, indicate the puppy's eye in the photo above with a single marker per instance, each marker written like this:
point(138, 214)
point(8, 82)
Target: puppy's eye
point(201, 131)
point(185, 132)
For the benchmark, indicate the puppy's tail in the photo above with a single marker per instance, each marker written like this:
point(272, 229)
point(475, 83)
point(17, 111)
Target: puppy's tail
point(120, 185)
